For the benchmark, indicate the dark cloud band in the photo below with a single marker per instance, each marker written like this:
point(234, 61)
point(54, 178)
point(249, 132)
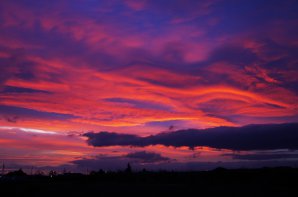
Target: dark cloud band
point(251, 137)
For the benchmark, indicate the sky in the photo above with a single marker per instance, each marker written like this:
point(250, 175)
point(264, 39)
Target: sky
point(162, 84)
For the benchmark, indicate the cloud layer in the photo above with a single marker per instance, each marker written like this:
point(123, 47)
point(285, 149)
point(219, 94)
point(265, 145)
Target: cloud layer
point(124, 68)
point(252, 137)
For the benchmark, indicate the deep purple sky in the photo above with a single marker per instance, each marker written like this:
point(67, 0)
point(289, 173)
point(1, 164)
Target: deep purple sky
point(133, 68)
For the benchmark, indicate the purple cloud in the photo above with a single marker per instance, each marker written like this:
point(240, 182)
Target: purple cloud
point(147, 157)
point(251, 137)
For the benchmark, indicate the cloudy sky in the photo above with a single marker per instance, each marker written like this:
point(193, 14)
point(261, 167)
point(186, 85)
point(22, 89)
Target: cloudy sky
point(160, 84)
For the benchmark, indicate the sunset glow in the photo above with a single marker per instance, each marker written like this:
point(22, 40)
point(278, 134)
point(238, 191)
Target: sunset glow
point(141, 68)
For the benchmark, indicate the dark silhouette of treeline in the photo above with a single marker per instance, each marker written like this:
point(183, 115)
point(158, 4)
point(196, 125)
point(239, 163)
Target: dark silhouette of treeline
point(279, 181)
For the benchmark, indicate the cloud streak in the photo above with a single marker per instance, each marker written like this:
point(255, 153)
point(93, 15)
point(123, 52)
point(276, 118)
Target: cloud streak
point(247, 138)
point(263, 156)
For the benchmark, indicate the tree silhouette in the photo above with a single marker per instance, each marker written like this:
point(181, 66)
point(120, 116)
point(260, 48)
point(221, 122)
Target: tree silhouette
point(128, 168)
point(19, 172)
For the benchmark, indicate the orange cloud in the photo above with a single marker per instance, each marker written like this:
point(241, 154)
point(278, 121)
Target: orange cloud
point(85, 93)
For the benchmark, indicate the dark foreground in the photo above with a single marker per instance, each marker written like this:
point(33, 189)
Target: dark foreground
point(219, 182)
